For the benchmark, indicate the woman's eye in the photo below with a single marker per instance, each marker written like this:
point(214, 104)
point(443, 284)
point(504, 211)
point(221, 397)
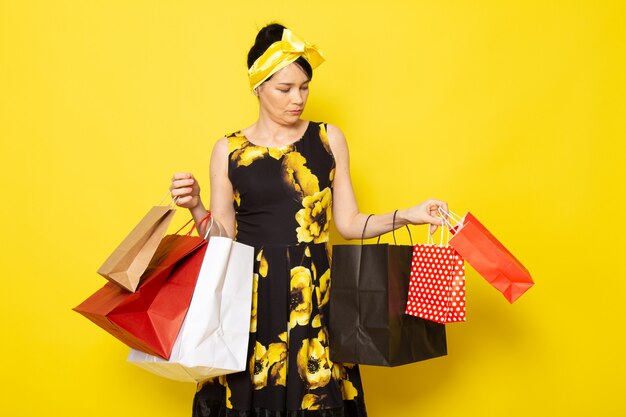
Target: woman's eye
point(283, 91)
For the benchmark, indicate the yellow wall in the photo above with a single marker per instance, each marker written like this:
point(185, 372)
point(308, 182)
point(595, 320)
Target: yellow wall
point(511, 109)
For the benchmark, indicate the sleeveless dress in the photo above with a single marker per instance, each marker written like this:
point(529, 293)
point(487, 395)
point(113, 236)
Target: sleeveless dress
point(283, 204)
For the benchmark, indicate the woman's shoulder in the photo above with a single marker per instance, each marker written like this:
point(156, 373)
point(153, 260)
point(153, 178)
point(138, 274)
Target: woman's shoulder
point(333, 130)
point(331, 137)
point(221, 145)
point(231, 142)
point(335, 135)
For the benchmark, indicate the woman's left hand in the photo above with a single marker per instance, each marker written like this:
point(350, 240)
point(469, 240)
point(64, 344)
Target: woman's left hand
point(427, 212)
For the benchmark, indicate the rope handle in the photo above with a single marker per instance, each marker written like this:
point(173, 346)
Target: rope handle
point(172, 202)
point(452, 228)
point(431, 241)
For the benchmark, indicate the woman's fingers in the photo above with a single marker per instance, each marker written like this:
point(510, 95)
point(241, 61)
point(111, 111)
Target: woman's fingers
point(181, 183)
point(185, 190)
point(178, 192)
point(182, 176)
point(183, 200)
point(434, 210)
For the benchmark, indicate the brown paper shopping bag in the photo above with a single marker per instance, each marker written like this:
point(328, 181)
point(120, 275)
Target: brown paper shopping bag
point(130, 259)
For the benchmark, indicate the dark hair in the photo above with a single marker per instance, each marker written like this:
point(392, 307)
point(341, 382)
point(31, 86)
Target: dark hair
point(266, 37)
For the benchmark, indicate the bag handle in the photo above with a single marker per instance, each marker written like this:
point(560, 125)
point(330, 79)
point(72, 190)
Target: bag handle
point(393, 230)
point(172, 202)
point(446, 220)
point(208, 229)
point(213, 222)
point(431, 241)
point(364, 226)
point(200, 223)
point(219, 228)
point(449, 215)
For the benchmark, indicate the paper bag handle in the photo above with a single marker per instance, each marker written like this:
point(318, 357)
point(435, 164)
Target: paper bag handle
point(446, 220)
point(431, 241)
point(200, 223)
point(172, 202)
point(364, 226)
point(393, 230)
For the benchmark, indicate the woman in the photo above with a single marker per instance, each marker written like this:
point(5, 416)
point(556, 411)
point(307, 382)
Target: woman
point(275, 186)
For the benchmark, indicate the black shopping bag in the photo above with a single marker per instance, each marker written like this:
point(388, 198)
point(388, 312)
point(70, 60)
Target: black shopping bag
point(367, 323)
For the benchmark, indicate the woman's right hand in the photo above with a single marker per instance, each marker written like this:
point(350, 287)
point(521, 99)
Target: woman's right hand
point(185, 190)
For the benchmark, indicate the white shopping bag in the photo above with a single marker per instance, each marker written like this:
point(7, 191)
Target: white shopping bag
point(213, 339)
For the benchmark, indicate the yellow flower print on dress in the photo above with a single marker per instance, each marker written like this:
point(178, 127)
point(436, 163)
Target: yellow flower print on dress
point(236, 141)
point(339, 371)
point(314, 217)
point(277, 356)
point(348, 392)
point(259, 366)
point(300, 297)
point(263, 266)
point(297, 176)
point(217, 380)
point(278, 153)
point(269, 366)
point(248, 154)
point(321, 289)
point(201, 384)
point(237, 198)
point(255, 302)
point(242, 151)
point(228, 393)
point(322, 336)
point(324, 138)
point(313, 364)
point(312, 401)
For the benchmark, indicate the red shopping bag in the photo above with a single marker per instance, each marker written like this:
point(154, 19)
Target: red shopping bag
point(437, 285)
point(150, 318)
point(490, 258)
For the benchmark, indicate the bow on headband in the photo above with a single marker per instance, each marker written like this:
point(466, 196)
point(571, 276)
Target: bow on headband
point(280, 54)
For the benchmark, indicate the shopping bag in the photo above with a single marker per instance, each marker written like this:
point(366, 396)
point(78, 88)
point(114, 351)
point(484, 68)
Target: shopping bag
point(489, 257)
point(368, 296)
point(437, 283)
point(213, 339)
point(150, 318)
point(130, 259)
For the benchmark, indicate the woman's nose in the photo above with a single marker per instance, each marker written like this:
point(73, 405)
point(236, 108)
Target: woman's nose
point(297, 97)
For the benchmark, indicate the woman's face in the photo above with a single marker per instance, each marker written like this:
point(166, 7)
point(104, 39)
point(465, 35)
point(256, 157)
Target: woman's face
point(284, 96)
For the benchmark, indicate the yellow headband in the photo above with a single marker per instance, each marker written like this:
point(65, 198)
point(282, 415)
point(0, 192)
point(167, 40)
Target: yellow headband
point(280, 54)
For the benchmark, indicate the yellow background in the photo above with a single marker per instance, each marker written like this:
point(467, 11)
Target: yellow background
point(514, 110)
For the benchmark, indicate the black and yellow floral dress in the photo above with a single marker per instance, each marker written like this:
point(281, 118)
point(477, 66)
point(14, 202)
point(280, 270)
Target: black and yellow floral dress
point(283, 203)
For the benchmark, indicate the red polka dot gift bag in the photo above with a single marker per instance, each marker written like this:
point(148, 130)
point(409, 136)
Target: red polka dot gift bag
point(437, 283)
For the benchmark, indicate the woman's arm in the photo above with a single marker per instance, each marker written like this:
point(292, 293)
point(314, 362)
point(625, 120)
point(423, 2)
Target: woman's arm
point(186, 188)
point(349, 220)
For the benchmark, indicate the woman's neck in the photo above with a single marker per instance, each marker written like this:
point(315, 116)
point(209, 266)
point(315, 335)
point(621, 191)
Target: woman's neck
point(267, 132)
